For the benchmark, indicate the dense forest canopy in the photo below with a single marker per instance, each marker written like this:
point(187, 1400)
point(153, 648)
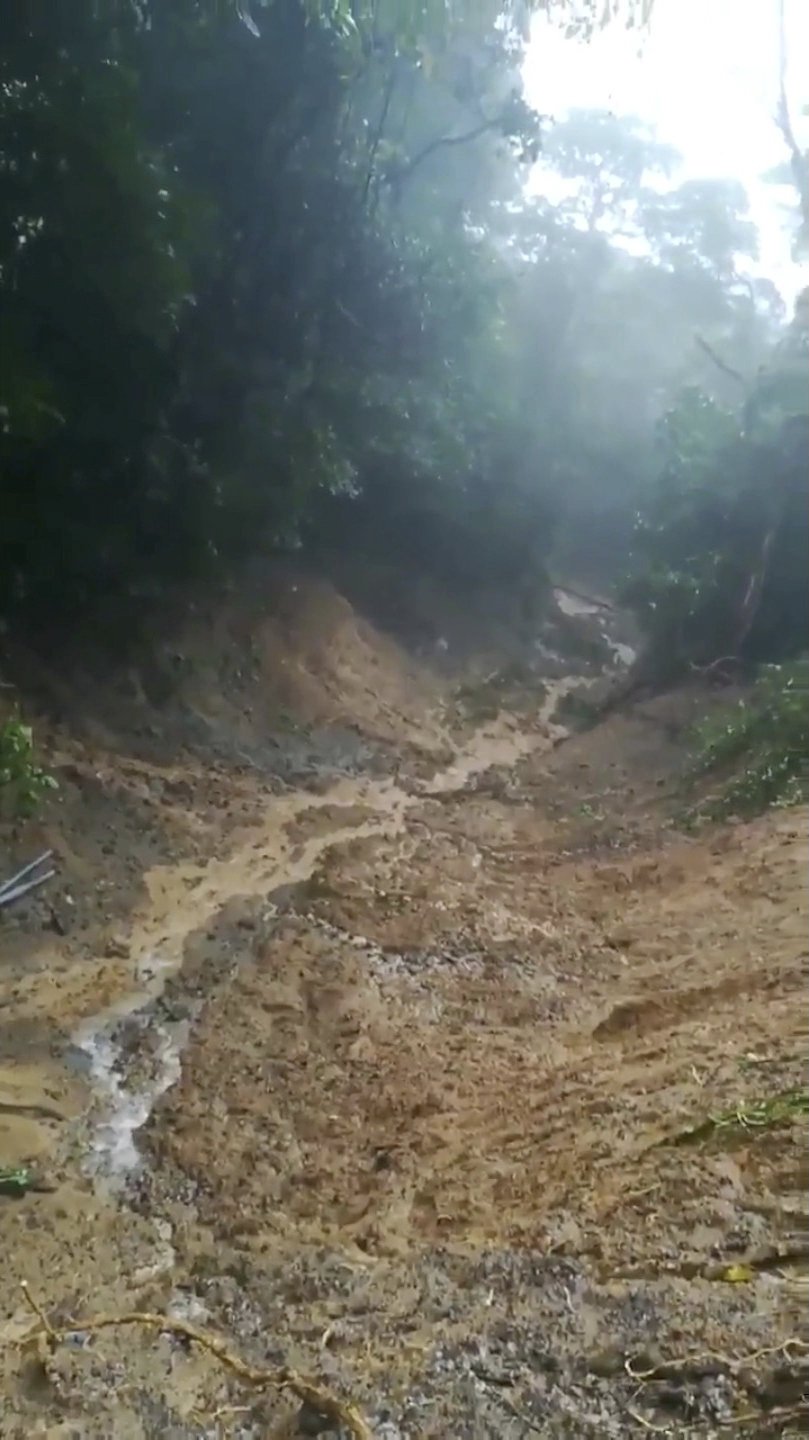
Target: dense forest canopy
point(271, 276)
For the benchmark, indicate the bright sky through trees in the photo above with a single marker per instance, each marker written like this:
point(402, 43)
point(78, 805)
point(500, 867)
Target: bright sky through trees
point(706, 76)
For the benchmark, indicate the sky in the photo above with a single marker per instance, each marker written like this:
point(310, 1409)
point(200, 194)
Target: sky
point(705, 74)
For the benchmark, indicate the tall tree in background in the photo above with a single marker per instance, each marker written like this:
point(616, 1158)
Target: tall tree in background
point(627, 288)
point(798, 156)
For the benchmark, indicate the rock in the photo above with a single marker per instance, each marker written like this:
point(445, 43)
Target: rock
point(117, 949)
point(606, 1363)
point(311, 1422)
point(59, 924)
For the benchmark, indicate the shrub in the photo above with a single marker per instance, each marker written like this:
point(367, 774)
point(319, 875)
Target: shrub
point(761, 745)
point(22, 781)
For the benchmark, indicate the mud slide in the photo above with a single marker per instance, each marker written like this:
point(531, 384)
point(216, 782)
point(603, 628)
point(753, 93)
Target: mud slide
point(479, 1097)
point(184, 898)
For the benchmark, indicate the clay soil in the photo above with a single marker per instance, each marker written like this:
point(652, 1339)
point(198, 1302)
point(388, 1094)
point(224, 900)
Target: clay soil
point(439, 1136)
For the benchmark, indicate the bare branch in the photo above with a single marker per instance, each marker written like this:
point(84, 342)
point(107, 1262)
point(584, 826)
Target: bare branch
point(380, 130)
point(719, 362)
point(321, 1400)
point(442, 141)
point(799, 159)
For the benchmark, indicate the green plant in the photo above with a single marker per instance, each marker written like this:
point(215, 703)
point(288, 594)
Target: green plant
point(16, 1180)
point(771, 1112)
point(762, 746)
point(22, 781)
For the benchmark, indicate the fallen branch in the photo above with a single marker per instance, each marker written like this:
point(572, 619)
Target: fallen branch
point(283, 1378)
point(685, 1364)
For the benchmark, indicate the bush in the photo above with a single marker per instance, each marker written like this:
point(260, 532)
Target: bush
point(22, 782)
point(762, 745)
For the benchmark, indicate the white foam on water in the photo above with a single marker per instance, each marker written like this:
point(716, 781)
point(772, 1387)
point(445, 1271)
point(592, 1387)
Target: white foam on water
point(123, 1109)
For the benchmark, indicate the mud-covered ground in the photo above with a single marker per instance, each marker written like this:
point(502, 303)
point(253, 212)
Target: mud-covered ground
point(430, 1063)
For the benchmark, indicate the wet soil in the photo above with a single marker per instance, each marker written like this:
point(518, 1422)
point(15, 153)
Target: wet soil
point(405, 1084)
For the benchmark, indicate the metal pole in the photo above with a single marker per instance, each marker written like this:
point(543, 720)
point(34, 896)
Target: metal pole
point(26, 870)
point(7, 895)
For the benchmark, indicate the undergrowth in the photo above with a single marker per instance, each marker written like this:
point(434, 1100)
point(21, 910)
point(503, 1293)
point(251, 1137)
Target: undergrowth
point(761, 746)
point(22, 781)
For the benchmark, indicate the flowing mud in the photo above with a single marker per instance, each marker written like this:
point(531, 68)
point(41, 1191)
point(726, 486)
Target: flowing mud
point(476, 1095)
point(184, 897)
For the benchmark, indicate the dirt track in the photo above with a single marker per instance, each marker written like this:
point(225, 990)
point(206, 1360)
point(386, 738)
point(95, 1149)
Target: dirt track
point(443, 1043)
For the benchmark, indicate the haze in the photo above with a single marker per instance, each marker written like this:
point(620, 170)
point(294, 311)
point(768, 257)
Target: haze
point(706, 75)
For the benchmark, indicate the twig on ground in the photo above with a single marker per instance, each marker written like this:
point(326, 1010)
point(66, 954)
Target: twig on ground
point(781, 1416)
point(283, 1378)
point(647, 1424)
point(39, 1312)
point(749, 1417)
point(730, 1363)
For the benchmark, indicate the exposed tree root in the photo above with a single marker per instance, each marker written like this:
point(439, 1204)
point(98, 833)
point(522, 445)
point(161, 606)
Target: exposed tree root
point(279, 1379)
point(687, 1364)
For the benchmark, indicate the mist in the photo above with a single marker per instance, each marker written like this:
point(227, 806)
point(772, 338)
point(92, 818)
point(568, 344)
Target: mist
point(404, 717)
point(384, 312)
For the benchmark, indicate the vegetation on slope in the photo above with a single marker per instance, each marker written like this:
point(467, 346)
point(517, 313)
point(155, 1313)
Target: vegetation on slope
point(760, 749)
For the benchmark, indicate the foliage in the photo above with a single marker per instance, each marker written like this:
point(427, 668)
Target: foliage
point(221, 307)
point(353, 21)
point(619, 269)
point(769, 1112)
point(16, 1180)
point(718, 564)
point(761, 747)
point(23, 782)
point(270, 276)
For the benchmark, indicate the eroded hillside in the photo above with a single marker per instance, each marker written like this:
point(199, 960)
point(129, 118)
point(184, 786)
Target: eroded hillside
point(373, 1030)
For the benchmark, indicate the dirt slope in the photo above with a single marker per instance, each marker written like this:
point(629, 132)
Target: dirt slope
point(422, 1058)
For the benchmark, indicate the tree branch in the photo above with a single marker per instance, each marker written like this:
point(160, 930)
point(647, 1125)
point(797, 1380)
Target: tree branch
point(440, 142)
point(719, 362)
point(799, 160)
point(380, 130)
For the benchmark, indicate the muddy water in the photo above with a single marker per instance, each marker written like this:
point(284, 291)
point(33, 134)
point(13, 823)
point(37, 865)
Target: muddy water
point(576, 606)
point(184, 898)
point(571, 604)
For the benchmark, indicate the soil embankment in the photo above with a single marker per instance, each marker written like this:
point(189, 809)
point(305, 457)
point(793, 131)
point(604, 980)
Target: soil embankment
point(395, 1061)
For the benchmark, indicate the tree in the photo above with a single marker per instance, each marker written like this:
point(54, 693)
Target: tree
point(628, 288)
point(798, 157)
point(719, 558)
point(216, 311)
